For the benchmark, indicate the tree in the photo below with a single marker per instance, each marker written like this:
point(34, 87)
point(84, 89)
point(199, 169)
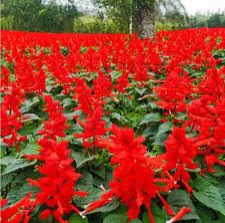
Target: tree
point(57, 18)
point(215, 20)
point(139, 14)
point(40, 15)
point(208, 20)
point(24, 13)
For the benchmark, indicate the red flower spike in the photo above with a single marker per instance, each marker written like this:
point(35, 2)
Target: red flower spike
point(179, 215)
point(56, 123)
point(180, 153)
point(133, 179)
point(59, 177)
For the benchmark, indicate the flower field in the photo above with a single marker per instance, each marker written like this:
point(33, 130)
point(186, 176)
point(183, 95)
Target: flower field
point(100, 128)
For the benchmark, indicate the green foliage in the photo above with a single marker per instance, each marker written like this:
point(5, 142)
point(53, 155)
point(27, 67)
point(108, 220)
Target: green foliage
point(152, 117)
point(116, 218)
point(6, 23)
point(212, 20)
point(77, 219)
point(160, 216)
point(93, 24)
point(36, 15)
point(180, 198)
point(209, 195)
point(166, 25)
point(125, 13)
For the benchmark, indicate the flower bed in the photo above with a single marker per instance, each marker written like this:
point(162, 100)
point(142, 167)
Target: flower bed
point(111, 128)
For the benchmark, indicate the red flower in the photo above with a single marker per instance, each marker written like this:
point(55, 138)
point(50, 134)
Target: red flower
point(179, 215)
point(11, 117)
point(56, 123)
point(58, 181)
point(94, 129)
point(174, 91)
point(19, 212)
point(133, 180)
point(180, 154)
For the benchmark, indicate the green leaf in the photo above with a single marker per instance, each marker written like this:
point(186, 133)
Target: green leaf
point(136, 221)
point(140, 91)
point(81, 158)
point(30, 117)
point(162, 133)
point(115, 218)
point(160, 140)
point(151, 130)
point(16, 165)
point(115, 75)
point(152, 117)
point(205, 214)
point(100, 172)
point(209, 195)
point(219, 171)
point(116, 116)
point(94, 194)
point(28, 104)
point(85, 183)
point(7, 159)
point(180, 198)
point(158, 214)
point(153, 105)
point(18, 192)
point(75, 218)
point(107, 208)
point(67, 102)
point(25, 189)
point(164, 127)
point(31, 148)
point(5, 180)
point(222, 189)
point(70, 116)
point(181, 116)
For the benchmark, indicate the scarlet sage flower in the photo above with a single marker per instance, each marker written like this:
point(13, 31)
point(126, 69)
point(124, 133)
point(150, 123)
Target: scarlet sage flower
point(25, 69)
point(122, 82)
point(180, 155)
point(90, 101)
point(102, 86)
point(134, 181)
point(5, 78)
point(212, 84)
point(56, 123)
point(11, 117)
point(58, 181)
point(84, 96)
point(174, 91)
point(132, 178)
point(94, 129)
point(19, 212)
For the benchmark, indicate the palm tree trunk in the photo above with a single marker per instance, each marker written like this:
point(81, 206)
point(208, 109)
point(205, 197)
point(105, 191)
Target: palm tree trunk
point(144, 18)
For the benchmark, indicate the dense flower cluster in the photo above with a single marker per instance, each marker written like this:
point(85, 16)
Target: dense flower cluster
point(134, 180)
point(56, 123)
point(11, 117)
point(174, 91)
point(58, 181)
point(90, 73)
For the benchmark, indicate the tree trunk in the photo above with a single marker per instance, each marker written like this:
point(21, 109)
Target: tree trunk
point(144, 18)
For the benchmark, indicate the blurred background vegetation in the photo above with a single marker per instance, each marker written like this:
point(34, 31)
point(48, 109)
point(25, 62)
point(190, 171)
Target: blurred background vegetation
point(106, 16)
